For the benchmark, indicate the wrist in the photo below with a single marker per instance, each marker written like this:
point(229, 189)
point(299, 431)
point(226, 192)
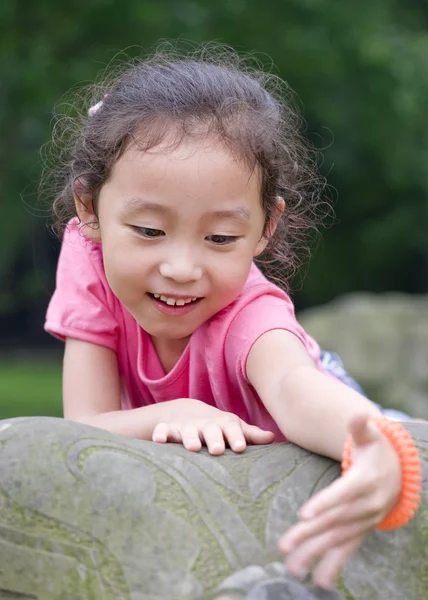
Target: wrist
point(409, 497)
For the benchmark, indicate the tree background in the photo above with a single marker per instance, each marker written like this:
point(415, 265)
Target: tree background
point(359, 70)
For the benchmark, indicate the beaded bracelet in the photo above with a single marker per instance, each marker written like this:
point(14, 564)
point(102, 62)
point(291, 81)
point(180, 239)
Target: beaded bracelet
point(411, 489)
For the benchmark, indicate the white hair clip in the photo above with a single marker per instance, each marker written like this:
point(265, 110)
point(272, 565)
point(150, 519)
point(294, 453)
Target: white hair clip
point(94, 109)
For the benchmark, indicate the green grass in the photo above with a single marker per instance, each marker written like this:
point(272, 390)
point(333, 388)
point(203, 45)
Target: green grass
point(29, 388)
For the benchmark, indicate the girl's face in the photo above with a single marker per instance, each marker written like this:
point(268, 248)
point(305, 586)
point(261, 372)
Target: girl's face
point(179, 230)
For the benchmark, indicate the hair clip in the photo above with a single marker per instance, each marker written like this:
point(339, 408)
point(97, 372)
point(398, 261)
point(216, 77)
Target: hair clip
point(94, 109)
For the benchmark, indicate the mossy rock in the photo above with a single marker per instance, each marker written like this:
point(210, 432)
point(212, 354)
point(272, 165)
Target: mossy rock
point(85, 514)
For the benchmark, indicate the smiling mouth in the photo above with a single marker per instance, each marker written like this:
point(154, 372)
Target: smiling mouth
point(171, 301)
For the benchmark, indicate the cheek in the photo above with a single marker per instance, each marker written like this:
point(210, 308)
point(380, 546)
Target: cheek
point(232, 273)
point(123, 268)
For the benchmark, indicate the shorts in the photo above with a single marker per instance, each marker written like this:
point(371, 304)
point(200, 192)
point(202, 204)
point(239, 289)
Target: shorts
point(332, 363)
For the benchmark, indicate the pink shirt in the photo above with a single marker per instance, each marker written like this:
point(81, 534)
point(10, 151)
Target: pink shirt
point(212, 367)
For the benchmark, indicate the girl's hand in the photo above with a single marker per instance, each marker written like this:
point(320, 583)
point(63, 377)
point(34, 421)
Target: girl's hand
point(334, 522)
point(193, 423)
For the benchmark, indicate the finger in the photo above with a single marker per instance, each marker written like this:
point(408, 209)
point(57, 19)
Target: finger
point(255, 435)
point(190, 437)
point(333, 562)
point(364, 508)
point(232, 431)
point(354, 484)
point(363, 431)
point(300, 560)
point(213, 437)
point(160, 433)
point(166, 432)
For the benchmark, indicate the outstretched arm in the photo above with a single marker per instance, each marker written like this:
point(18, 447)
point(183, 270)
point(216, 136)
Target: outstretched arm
point(312, 409)
point(317, 412)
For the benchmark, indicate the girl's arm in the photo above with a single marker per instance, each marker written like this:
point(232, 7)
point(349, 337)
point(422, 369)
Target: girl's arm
point(300, 397)
point(317, 412)
point(91, 395)
point(91, 392)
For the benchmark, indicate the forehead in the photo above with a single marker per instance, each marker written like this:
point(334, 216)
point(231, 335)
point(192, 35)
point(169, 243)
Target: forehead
point(192, 167)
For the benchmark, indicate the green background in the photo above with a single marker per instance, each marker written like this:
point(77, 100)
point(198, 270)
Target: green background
point(360, 72)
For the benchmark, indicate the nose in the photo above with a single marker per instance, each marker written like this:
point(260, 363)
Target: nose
point(180, 266)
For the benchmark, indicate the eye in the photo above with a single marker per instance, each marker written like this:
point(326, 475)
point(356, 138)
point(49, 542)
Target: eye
point(148, 232)
point(222, 240)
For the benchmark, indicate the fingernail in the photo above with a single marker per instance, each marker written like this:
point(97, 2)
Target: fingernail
point(324, 584)
point(238, 444)
point(193, 445)
point(300, 573)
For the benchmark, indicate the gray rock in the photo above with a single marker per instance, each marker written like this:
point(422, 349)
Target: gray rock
point(383, 341)
point(87, 515)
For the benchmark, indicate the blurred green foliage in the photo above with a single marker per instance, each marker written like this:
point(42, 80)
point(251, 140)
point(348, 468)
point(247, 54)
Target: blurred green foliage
point(359, 69)
point(30, 388)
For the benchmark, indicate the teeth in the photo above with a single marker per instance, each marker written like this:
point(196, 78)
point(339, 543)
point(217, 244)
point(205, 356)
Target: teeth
point(174, 302)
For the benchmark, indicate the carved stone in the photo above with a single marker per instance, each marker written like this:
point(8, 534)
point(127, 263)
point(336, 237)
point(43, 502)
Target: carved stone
point(86, 515)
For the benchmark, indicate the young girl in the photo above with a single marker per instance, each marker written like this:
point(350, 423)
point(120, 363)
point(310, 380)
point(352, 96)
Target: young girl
point(183, 174)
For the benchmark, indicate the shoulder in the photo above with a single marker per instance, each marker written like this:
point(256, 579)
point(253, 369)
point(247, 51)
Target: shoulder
point(259, 291)
point(260, 307)
point(76, 244)
point(82, 301)
point(81, 260)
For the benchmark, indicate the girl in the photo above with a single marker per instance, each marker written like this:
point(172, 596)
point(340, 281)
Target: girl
point(187, 171)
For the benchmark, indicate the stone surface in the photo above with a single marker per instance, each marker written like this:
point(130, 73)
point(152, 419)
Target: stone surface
point(86, 515)
point(383, 341)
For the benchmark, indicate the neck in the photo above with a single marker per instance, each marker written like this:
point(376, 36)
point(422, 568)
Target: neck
point(169, 351)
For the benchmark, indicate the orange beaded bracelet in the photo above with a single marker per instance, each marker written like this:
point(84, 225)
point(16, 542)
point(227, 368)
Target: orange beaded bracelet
point(411, 489)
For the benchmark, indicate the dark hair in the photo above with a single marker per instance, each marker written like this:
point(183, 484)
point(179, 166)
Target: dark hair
point(209, 91)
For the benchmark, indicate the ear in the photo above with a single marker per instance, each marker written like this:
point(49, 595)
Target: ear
point(85, 211)
point(271, 228)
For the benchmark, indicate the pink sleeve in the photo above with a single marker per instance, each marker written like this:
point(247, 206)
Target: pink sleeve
point(263, 314)
point(82, 306)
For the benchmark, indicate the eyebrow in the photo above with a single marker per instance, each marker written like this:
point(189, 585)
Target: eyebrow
point(135, 205)
point(239, 213)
